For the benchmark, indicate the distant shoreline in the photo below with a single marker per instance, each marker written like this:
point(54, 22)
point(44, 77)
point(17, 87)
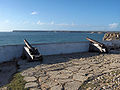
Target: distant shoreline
point(99, 32)
point(61, 31)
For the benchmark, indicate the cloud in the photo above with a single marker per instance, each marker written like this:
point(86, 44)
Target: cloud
point(6, 21)
point(63, 24)
point(52, 23)
point(34, 13)
point(114, 25)
point(40, 23)
point(73, 24)
point(26, 22)
point(66, 25)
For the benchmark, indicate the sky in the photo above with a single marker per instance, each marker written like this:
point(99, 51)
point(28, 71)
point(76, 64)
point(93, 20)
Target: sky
point(75, 15)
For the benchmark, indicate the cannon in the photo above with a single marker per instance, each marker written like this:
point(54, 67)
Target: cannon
point(97, 46)
point(30, 52)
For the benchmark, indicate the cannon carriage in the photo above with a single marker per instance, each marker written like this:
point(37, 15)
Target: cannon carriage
point(31, 53)
point(97, 46)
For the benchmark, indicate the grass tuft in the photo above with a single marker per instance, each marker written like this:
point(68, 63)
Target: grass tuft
point(17, 83)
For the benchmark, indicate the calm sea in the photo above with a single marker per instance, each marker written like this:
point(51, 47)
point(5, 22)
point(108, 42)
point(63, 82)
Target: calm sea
point(13, 38)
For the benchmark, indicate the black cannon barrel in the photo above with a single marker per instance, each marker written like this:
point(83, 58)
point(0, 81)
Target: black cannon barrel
point(102, 48)
point(27, 44)
point(33, 51)
point(94, 41)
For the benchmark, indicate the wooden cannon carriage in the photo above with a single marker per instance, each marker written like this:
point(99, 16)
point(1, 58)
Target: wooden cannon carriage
point(31, 53)
point(97, 46)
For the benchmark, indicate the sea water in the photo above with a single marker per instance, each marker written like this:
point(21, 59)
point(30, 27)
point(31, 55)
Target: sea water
point(13, 38)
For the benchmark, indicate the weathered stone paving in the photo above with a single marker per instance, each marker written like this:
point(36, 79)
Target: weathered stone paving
point(82, 71)
point(77, 71)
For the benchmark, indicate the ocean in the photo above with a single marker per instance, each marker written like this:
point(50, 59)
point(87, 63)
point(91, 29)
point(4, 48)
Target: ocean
point(15, 38)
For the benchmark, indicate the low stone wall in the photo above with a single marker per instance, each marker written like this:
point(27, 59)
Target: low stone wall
point(111, 36)
point(114, 44)
point(112, 40)
point(8, 52)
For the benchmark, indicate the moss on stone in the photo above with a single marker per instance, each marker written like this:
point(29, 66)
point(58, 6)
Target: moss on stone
point(17, 83)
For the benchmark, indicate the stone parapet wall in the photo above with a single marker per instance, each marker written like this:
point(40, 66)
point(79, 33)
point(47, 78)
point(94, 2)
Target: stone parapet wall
point(10, 52)
point(110, 36)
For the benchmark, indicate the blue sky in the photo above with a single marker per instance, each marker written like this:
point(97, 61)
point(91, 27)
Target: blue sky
point(59, 15)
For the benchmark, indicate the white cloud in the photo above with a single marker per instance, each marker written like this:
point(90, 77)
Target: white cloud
point(40, 23)
point(6, 21)
point(62, 24)
point(52, 23)
point(33, 23)
point(114, 25)
point(26, 22)
point(34, 13)
point(66, 25)
point(73, 24)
